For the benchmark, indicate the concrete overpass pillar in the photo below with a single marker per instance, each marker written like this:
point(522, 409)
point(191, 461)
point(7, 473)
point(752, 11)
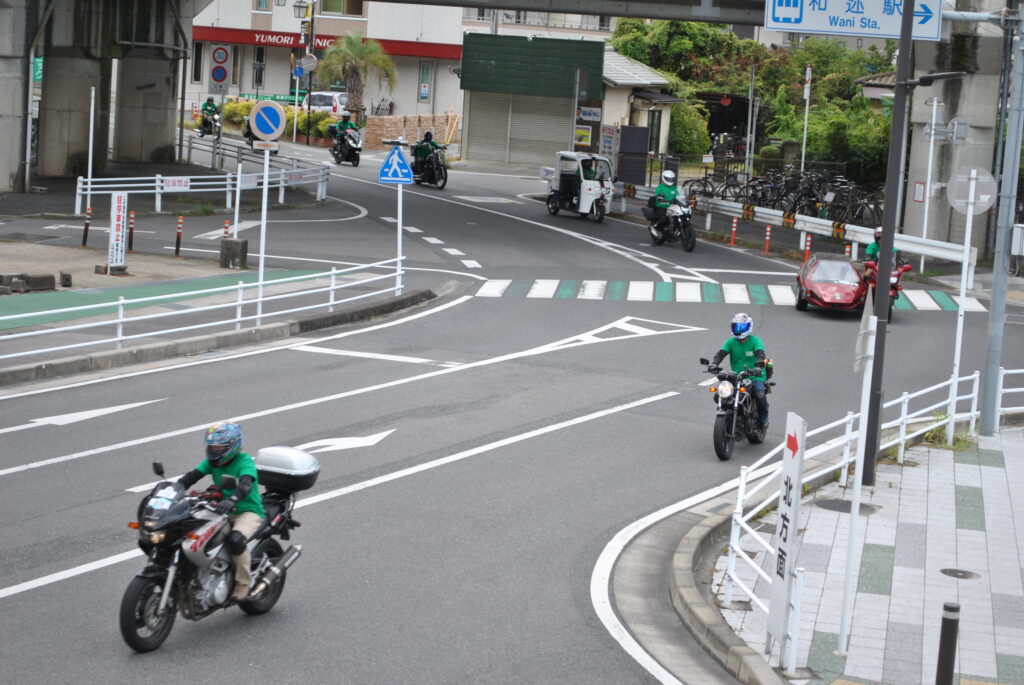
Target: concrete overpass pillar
point(64, 115)
point(12, 121)
point(146, 109)
point(976, 49)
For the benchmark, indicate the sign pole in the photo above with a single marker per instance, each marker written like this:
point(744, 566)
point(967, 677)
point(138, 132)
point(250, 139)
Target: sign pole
point(238, 198)
point(807, 112)
point(928, 177)
point(92, 116)
point(263, 235)
point(964, 266)
point(398, 255)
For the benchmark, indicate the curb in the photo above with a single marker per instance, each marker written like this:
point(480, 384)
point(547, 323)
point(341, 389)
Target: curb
point(108, 359)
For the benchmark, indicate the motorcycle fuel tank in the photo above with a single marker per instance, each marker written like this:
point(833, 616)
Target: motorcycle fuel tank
point(286, 469)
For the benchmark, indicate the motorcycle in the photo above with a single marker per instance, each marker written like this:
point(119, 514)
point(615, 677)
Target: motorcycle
point(737, 416)
point(431, 169)
point(209, 125)
point(189, 547)
point(347, 147)
point(677, 226)
point(247, 134)
point(900, 267)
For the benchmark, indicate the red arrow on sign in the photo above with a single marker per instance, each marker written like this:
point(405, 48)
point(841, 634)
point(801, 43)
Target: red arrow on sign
point(791, 444)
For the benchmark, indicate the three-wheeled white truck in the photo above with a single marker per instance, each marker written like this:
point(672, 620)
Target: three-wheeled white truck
point(580, 182)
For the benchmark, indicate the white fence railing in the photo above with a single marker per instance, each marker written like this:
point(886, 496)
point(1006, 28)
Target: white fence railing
point(285, 172)
point(240, 308)
point(751, 500)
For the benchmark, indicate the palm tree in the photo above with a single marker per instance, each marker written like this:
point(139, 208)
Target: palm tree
point(351, 59)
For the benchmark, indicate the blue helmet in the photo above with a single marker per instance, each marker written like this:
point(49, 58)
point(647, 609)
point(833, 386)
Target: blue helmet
point(223, 443)
point(428, 136)
point(741, 326)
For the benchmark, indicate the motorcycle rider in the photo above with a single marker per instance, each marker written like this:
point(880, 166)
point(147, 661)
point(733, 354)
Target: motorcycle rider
point(871, 254)
point(422, 150)
point(209, 109)
point(224, 457)
point(742, 349)
point(664, 196)
point(345, 124)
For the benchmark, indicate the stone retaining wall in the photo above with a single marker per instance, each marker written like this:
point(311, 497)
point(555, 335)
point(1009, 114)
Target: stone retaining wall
point(410, 126)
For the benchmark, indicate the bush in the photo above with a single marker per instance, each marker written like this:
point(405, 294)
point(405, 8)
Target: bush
point(770, 152)
point(322, 126)
point(234, 111)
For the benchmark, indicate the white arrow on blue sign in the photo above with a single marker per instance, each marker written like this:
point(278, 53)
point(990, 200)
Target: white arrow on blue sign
point(395, 168)
point(299, 71)
point(869, 18)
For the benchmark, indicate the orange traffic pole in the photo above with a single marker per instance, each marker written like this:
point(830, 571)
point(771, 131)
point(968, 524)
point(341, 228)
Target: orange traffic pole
point(807, 247)
point(131, 229)
point(177, 240)
point(732, 235)
point(227, 228)
point(767, 239)
point(85, 228)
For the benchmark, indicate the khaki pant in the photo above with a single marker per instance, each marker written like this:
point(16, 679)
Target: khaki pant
point(245, 523)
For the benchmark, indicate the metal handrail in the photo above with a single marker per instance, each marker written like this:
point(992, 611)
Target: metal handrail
point(393, 268)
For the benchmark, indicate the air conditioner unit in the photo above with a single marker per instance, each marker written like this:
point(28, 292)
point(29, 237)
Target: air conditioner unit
point(1017, 241)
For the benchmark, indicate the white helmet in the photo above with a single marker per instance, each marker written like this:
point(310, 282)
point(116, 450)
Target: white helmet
point(741, 325)
point(668, 177)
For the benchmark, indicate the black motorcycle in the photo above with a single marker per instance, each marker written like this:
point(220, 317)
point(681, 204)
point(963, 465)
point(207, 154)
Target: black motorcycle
point(190, 547)
point(676, 227)
point(247, 134)
point(431, 169)
point(209, 126)
point(737, 415)
point(347, 147)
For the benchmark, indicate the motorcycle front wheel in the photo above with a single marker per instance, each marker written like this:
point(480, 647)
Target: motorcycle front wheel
point(689, 239)
point(553, 204)
point(598, 211)
point(141, 626)
point(271, 551)
point(723, 441)
point(440, 177)
point(355, 159)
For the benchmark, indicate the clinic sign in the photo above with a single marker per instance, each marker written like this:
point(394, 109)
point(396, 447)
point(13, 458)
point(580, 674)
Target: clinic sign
point(869, 18)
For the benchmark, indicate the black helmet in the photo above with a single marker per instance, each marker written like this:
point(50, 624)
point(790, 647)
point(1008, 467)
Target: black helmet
point(428, 136)
point(345, 116)
point(209, 99)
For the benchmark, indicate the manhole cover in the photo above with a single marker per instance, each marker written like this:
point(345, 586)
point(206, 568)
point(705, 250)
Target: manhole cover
point(844, 506)
point(26, 237)
point(959, 573)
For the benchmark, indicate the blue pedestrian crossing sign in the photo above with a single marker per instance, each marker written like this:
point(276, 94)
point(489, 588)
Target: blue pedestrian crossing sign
point(395, 168)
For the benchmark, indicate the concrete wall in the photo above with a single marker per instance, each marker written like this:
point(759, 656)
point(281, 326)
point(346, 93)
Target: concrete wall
point(418, 23)
point(146, 106)
point(13, 80)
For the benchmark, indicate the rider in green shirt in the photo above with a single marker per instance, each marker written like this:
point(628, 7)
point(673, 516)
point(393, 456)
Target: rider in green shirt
point(422, 150)
point(664, 195)
point(208, 109)
point(747, 351)
point(224, 457)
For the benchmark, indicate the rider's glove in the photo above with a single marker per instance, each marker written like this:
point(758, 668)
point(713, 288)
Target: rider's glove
point(226, 505)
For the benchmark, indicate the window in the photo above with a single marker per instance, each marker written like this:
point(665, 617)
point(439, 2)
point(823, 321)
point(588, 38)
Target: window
point(424, 90)
point(197, 62)
point(654, 123)
point(263, 4)
point(236, 59)
point(604, 23)
point(860, 42)
point(350, 7)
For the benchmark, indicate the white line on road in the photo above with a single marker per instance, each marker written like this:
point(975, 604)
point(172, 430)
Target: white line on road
point(471, 264)
point(688, 292)
point(543, 287)
point(219, 233)
point(433, 241)
point(735, 293)
point(592, 290)
point(782, 294)
point(356, 487)
point(495, 288)
point(454, 252)
point(373, 355)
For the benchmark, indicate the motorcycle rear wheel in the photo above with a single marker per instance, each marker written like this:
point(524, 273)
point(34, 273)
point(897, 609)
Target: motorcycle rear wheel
point(553, 204)
point(755, 436)
point(724, 442)
point(265, 602)
point(141, 628)
point(656, 237)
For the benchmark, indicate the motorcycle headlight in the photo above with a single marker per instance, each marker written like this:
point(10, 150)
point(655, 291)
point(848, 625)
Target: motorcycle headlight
point(157, 537)
point(725, 389)
point(893, 280)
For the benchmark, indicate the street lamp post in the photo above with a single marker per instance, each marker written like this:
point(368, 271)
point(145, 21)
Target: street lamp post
point(302, 10)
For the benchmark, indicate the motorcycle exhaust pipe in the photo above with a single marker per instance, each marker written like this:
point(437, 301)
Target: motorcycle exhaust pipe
point(274, 573)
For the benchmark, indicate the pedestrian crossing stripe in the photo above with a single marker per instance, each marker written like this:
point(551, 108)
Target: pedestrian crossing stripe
point(690, 292)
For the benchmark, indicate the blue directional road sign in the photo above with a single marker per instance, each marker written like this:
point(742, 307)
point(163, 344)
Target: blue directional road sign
point(869, 18)
point(298, 71)
point(395, 168)
point(267, 120)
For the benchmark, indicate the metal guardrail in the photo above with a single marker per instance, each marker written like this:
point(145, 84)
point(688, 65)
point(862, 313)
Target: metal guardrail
point(909, 425)
point(238, 304)
point(935, 249)
point(286, 172)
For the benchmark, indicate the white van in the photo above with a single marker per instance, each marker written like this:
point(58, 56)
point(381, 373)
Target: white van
point(325, 101)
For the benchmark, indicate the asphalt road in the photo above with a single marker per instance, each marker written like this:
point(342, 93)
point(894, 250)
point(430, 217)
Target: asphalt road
point(514, 437)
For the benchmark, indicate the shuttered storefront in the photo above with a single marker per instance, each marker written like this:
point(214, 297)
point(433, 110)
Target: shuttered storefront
point(539, 128)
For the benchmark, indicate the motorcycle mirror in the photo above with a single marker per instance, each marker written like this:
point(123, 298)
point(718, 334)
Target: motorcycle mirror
point(158, 468)
point(704, 362)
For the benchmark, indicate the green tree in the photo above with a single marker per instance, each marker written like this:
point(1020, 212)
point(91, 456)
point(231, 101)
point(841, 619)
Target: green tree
point(351, 60)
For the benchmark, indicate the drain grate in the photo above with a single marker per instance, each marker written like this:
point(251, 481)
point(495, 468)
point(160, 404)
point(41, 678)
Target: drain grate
point(26, 237)
point(959, 573)
point(844, 506)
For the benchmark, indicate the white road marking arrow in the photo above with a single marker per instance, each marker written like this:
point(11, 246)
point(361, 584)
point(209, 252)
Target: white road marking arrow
point(333, 444)
point(65, 419)
point(219, 233)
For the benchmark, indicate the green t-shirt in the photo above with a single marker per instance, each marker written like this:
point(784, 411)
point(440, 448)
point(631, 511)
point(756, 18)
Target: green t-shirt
point(665, 195)
point(422, 149)
point(241, 465)
point(209, 108)
point(872, 250)
point(743, 354)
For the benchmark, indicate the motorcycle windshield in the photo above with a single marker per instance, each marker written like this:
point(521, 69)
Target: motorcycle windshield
point(166, 506)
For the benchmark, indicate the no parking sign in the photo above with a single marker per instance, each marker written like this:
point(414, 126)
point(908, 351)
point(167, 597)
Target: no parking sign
point(220, 69)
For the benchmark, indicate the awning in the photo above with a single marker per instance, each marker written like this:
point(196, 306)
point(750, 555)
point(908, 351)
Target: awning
point(656, 98)
point(404, 48)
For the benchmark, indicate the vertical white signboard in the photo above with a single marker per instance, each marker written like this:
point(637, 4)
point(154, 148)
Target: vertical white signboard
point(787, 543)
point(118, 229)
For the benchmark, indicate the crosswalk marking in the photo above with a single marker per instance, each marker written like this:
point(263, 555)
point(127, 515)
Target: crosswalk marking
point(693, 293)
point(921, 300)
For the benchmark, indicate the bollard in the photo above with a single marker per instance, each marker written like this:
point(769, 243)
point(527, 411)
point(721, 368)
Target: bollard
point(85, 228)
point(177, 240)
point(131, 229)
point(227, 228)
point(807, 247)
point(767, 239)
point(947, 644)
point(732, 235)
point(846, 249)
